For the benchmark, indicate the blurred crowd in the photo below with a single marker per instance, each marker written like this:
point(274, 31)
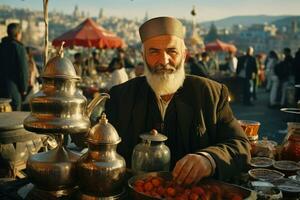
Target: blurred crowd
point(100, 70)
point(277, 72)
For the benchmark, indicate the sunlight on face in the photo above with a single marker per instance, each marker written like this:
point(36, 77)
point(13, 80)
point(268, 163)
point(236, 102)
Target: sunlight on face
point(164, 57)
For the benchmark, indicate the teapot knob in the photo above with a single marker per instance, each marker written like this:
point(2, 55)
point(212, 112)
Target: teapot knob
point(153, 132)
point(103, 119)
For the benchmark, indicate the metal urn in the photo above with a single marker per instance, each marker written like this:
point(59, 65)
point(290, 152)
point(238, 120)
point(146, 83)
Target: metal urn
point(151, 154)
point(16, 144)
point(101, 170)
point(58, 109)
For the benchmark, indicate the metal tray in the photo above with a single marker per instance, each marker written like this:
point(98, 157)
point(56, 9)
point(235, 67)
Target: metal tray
point(246, 193)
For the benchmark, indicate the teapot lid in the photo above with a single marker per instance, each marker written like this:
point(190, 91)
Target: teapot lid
point(60, 67)
point(153, 135)
point(103, 133)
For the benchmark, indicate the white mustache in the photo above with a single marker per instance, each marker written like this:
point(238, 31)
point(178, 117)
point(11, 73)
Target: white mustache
point(164, 69)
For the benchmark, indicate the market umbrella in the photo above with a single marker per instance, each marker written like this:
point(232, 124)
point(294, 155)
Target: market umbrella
point(89, 34)
point(218, 45)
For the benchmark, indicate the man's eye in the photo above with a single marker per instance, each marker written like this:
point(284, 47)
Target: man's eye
point(173, 52)
point(153, 52)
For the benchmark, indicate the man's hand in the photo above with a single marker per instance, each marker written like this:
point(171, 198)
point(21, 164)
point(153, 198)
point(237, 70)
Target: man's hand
point(191, 169)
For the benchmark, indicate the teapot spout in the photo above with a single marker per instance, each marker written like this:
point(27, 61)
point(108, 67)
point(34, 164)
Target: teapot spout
point(96, 100)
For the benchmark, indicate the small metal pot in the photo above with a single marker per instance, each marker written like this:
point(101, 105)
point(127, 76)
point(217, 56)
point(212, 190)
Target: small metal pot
point(101, 171)
point(4, 105)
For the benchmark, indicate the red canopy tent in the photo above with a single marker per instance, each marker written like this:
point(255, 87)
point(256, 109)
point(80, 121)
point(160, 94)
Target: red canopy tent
point(218, 45)
point(89, 34)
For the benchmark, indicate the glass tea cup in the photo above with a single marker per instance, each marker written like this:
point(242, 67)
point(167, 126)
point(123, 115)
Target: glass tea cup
point(250, 128)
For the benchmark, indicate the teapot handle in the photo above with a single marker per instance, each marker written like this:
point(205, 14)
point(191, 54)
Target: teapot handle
point(96, 100)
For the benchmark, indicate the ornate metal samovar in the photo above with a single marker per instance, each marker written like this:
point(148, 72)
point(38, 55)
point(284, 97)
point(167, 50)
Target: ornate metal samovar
point(57, 109)
point(151, 154)
point(101, 170)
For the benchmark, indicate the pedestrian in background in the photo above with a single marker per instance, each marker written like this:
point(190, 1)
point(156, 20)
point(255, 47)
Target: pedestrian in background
point(14, 67)
point(247, 71)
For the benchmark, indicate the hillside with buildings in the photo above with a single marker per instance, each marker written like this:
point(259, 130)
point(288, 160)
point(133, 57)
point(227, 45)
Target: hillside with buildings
point(246, 20)
point(264, 33)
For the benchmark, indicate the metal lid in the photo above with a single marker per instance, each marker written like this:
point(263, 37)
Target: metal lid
point(103, 133)
point(12, 120)
point(5, 100)
point(60, 67)
point(291, 110)
point(154, 136)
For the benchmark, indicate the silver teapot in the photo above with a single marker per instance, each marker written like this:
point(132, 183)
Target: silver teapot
point(151, 154)
point(60, 107)
point(101, 171)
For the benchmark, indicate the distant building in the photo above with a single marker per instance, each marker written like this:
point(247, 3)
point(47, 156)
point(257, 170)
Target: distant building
point(294, 26)
point(101, 13)
point(258, 36)
point(76, 12)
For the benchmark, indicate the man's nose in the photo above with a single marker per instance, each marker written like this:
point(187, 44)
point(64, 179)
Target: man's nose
point(164, 58)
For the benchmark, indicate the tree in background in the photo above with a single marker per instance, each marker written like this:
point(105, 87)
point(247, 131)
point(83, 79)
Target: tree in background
point(212, 33)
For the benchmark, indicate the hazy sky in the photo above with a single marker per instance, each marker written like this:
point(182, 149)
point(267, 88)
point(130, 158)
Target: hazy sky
point(206, 9)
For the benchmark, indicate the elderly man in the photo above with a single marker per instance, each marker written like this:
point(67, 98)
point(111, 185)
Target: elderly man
point(204, 137)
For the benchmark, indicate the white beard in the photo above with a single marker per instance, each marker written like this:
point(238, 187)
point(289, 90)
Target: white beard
point(165, 83)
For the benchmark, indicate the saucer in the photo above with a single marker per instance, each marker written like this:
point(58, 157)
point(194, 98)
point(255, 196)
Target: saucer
point(286, 165)
point(265, 174)
point(261, 162)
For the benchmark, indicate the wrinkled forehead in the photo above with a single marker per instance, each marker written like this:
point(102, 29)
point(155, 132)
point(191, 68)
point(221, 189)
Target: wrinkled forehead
point(164, 41)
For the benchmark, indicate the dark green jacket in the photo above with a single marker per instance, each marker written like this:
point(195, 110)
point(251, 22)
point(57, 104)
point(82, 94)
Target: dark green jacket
point(205, 121)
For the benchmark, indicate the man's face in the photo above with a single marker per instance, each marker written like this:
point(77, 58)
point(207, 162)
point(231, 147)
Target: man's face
point(205, 59)
point(19, 36)
point(164, 57)
point(164, 54)
point(121, 55)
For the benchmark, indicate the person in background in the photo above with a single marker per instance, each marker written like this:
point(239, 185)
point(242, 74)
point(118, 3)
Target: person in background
point(92, 63)
point(285, 72)
point(33, 84)
point(212, 63)
point(297, 74)
point(139, 69)
point(78, 64)
point(33, 72)
point(261, 74)
point(247, 71)
point(194, 113)
point(14, 67)
point(272, 78)
point(232, 62)
point(117, 69)
point(197, 67)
